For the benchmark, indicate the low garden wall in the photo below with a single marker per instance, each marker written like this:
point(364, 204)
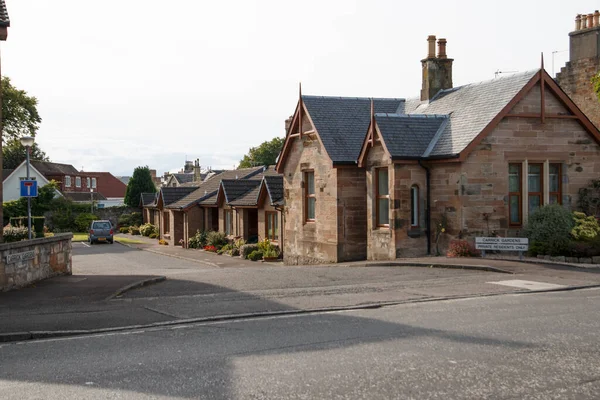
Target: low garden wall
point(28, 261)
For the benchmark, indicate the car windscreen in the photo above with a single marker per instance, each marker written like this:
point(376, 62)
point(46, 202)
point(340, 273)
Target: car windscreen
point(101, 225)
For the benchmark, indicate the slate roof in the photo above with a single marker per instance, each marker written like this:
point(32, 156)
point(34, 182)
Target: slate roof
point(342, 122)
point(206, 192)
point(471, 108)
point(172, 194)
point(4, 20)
point(147, 199)
point(184, 178)
point(241, 192)
point(47, 168)
point(274, 185)
point(408, 136)
point(83, 196)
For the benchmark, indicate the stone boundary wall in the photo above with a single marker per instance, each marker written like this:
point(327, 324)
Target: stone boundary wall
point(28, 261)
point(573, 260)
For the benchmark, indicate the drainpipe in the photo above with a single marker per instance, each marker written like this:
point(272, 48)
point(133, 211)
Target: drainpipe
point(428, 208)
point(282, 227)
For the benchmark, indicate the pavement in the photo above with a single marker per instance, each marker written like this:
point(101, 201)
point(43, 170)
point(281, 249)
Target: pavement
point(229, 287)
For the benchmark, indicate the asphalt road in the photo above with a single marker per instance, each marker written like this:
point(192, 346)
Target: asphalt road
point(534, 346)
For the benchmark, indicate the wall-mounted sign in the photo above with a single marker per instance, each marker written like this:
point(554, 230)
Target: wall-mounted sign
point(26, 255)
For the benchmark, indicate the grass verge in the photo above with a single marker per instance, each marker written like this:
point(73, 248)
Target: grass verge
point(127, 240)
point(80, 237)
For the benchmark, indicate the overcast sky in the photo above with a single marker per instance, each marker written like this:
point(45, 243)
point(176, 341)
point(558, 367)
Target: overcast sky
point(123, 83)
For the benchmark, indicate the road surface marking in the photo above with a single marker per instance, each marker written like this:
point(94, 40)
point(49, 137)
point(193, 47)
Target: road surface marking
point(85, 244)
point(531, 285)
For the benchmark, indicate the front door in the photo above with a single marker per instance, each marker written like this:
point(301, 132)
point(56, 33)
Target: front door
point(252, 224)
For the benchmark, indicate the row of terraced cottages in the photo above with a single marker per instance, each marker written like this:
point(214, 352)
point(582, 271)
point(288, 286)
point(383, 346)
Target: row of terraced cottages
point(366, 178)
point(242, 203)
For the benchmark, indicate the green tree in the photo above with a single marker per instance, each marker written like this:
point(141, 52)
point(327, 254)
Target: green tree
point(140, 182)
point(265, 154)
point(19, 112)
point(13, 154)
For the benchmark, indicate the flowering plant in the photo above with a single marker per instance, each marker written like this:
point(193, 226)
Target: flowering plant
point(462, 248)
point(210, 248)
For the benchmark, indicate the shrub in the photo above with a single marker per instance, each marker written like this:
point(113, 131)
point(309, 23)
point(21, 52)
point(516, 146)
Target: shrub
point(124, 229)
point(163, 242)
point(589, 198)
point(16, 233)
point(239, 243)
point(586, 227)
point(462, 248)
point(216, 239)
point(584, 249)
point(198, 241)
point(83, 221)
point(135, 218)
point(255, 255)
point(153, 235)
point(550, 228)
point(246, 249)
point(235, 252)
point(134, 230)
point(210, 248)
point(271, 252)
point(147, 229)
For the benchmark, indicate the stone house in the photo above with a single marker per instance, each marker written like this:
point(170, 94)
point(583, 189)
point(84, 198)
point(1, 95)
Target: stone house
point(584, 62)
point(148, 206)
point(169, 224)
point(200, 209)
point(479, 157)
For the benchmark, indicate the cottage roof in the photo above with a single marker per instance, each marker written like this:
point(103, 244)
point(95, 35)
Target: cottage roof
point(274, 186)
point(207, 191)
point(342, 122)
point(147, 199)
point(171, 195)
point(240, 192)
point(4, 20)
point(407, 136)
point(184, 178)
point(48, 168)
point(471, 108)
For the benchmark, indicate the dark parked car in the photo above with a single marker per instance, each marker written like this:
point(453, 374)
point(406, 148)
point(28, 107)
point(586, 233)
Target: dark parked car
point(100, 231)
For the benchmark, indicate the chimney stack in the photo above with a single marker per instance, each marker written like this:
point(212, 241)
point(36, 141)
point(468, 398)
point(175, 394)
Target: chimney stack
point(437, 71)
point(584, 41)
point(197, 175)
point(288, 122)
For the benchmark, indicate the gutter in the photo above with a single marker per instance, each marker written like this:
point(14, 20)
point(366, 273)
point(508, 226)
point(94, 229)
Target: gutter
point(428, 208)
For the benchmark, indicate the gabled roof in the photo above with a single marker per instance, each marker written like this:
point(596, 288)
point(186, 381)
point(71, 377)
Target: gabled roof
point(170, 195)
point(184, 178)
point(4, 20)
point(147, 199)
point(48, 168)
point(240, 192)
point(6, 173)
point(274, 187)
point(471, 108)
point(408, 136)
point(342, 122)
point(207, 191)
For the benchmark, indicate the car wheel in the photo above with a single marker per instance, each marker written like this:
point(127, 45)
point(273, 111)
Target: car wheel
point(110, 241)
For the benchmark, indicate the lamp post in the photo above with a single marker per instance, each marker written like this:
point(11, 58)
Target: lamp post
point(92, 198)
point(27, 142)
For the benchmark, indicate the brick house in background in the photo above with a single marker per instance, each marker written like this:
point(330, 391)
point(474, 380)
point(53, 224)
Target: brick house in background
point(483, 156)
point(584, 62)
point(148, 204)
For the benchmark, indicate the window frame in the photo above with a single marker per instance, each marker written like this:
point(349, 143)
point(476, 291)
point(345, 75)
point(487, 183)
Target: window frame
point(559, 193)
point(271, 217)
point(78, 181)
point(519, 195)
point(415, 210)
point(94, 183)
point(308, 197)
point(539, 194)
point(228, 221)
point(67, 181)
point(379, 196)
point(88, 182)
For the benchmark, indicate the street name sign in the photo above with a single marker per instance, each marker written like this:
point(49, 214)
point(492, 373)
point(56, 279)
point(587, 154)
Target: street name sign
point(26, 255)
point(502, 243)
point(29, 188)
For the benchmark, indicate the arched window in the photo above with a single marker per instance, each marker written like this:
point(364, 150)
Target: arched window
point(414, 206)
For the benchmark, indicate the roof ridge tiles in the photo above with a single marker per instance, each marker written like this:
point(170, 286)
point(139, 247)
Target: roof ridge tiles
point(396, 115)
point(352, 97)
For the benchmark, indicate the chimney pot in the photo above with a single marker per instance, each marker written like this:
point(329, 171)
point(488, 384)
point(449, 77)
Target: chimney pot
point(578, 22)
point(442, 48)
point(596, 18)
point(431, 47)
point(590, 20)
point(583, 22)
